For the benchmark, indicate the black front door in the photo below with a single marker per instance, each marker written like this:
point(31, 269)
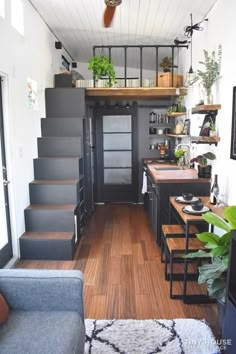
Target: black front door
point(116, 154)
point(5, 234)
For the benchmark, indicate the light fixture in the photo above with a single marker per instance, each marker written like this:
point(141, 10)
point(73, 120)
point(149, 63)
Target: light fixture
point(191, 76)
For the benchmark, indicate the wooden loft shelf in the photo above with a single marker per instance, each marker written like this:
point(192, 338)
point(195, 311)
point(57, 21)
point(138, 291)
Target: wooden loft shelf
point(131, 92)
point(205, 139)
point(176, 114)
point(203, 109)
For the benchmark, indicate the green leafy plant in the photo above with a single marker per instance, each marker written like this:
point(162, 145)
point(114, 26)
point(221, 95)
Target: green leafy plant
point(101, 66)
point(211, 71)
point(202, 159)
point(166, 64)
point(180, 153)
point(212, 125)
point(217, 248)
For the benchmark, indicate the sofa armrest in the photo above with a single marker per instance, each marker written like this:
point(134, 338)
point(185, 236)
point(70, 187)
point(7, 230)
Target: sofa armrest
point(43, 290)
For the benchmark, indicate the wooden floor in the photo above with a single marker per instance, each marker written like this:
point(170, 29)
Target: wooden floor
point(124, 277)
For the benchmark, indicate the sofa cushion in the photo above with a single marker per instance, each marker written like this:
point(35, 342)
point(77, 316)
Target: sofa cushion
point(41, 332)
point(4, 310)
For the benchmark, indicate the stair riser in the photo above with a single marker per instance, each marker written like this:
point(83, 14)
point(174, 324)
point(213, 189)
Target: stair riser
point(61, 127)
point(41, 249)
point(56, 168)
point(59, 147)
point(54, 194)
point(49, 220)
point(65, 102)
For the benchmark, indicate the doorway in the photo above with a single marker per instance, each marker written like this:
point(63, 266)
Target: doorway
point(5, 230)
point(116, 154)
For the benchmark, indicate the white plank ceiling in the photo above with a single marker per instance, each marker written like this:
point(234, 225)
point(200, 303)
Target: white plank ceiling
point(78, 25)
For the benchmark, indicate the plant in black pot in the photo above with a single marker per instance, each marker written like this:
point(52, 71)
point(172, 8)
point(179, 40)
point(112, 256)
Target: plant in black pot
point(102, 67)
point(204, 169)
point(214, 274)
point(167, 64)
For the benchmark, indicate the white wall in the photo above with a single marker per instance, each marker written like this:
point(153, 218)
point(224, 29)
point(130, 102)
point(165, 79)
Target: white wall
point(220, 29)
point(32, 55)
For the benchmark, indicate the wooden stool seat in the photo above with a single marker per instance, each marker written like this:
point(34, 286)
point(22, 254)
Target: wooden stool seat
point(172, 230)
point(177, 244)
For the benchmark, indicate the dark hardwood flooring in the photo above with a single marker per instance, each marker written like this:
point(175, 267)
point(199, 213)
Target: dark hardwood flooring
point(124, 277)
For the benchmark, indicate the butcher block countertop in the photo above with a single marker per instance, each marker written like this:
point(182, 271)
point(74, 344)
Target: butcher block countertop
point(166, 173)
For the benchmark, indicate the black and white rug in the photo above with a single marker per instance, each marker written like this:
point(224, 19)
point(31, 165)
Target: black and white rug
point(178, 336)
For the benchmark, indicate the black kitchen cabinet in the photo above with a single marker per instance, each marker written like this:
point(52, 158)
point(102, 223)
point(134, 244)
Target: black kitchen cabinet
point(153, 204)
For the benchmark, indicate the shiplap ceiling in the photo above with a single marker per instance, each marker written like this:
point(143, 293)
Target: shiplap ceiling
point(78, 25)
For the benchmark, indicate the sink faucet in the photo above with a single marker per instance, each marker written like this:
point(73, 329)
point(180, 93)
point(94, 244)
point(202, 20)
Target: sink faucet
point(187, 154)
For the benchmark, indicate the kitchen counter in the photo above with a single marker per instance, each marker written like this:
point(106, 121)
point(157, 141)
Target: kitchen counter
point(186, 175)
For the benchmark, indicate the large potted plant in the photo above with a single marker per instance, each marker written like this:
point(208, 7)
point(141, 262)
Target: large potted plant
point(210, 72)
point(204, 169)
point(102, 68)
point(217, 247)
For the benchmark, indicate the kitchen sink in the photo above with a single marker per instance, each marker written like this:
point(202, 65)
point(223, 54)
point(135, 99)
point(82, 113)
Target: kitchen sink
point(168, 168)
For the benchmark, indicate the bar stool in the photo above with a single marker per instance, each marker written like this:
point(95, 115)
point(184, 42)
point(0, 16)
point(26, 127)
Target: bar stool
point(175, 249)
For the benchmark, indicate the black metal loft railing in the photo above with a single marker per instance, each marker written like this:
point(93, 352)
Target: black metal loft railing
point(140, 47)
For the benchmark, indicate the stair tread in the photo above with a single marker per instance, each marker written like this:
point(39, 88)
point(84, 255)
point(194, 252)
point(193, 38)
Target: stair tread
point(49, 235)
point(60, 137)
point(58, 158)
point(51, 207)
point(55, 181)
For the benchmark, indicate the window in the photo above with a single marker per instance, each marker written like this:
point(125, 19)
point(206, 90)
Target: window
point(17, 15)
point(2, 8)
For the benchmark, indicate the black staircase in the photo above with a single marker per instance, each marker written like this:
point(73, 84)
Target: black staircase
point(54, 220)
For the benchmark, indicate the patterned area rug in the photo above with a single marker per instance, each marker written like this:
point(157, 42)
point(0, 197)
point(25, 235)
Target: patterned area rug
point(179, 336)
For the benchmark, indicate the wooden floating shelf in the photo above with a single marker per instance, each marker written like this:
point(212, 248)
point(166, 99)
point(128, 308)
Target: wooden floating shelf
point(176, 114)
point(178, 135)
point(131, 92)
point(205, 139)
point(206, 108)
point(197, 139)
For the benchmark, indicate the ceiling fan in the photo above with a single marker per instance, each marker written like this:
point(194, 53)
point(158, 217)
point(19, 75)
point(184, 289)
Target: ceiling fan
point(110, 11)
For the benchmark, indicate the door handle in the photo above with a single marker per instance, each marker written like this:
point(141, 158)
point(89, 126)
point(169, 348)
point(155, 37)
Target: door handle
point(5, 182)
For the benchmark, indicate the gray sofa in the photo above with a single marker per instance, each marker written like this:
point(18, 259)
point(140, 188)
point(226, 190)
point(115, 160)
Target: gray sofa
point(46, 312)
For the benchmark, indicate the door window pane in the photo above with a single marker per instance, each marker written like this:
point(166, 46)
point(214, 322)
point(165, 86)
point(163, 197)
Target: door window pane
point(117, 141)
point(117, 176)
point(117, 159)
point(116, 124)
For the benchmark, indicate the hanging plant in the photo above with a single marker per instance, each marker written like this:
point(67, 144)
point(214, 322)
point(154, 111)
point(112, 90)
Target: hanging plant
point(102, 67)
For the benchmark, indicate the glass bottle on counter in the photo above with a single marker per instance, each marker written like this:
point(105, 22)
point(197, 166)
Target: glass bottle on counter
point(214, 191)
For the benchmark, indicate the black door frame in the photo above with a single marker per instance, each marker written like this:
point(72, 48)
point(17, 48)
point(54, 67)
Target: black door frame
point(99, 112)
point(6, 251)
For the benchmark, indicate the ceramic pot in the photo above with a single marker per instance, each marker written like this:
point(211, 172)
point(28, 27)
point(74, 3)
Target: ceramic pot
point(204, 172)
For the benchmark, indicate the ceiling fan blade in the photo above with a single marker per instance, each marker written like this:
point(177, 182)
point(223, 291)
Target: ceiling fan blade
point(108, 15)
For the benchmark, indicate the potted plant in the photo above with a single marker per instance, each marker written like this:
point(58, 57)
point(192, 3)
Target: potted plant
point(102, 67)
point(167, 64)
point(179, 154)
point(204, 170)
point(212, 128)
point(217, 247)
point(211, 71)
